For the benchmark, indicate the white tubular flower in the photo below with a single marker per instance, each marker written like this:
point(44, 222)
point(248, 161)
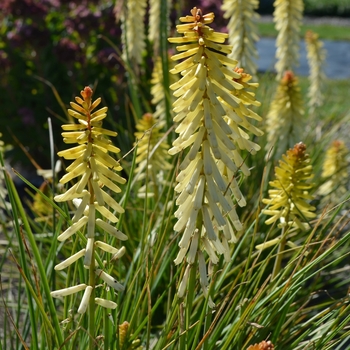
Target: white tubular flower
point(288, 16)
point(70, 260)
point(242, 31)
point(112, 282)
point(120, 253)
point(107, 304)
point(85, 300)
point(68, 291)
point(212, 109)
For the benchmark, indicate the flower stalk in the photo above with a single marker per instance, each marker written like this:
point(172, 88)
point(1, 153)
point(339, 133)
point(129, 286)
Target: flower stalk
point(93, 171)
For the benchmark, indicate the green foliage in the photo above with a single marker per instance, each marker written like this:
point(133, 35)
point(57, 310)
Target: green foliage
point(329, 8)
point(325, 31)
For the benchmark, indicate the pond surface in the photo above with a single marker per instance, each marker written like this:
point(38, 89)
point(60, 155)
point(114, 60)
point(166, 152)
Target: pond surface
point(337, 63)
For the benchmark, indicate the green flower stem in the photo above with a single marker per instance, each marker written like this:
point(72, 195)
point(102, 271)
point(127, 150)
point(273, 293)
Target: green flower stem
point(279, 257)
point(106, 340)
point(91, 315)
point(189, 301)
point(92, 282)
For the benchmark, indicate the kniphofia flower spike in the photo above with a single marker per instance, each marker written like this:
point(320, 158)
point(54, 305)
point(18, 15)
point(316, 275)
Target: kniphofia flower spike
point(289, 196)
point(213, 111)
point(93, 170)
point(284, 119)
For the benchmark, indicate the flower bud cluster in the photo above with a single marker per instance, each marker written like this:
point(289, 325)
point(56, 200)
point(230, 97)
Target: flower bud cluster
point(213, 115)
point(94, 172)
point(124, 334)
point(264, 345)
point(289, 196)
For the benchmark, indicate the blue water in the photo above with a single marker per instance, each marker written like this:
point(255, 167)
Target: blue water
point(337, 63)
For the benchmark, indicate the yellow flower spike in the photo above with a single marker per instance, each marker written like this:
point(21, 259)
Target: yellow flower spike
point(213, 104)
point(151, 153)
point(284, 120)
point(289, 196)
point(242, 31)
point(316, 55)
point(288, 16)
point(92, 169)
point(290, 191)
point(335, 172)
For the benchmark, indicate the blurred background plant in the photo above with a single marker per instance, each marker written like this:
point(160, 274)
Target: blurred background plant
point(57, 41)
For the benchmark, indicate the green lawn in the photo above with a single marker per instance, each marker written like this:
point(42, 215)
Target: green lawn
point(327, 32)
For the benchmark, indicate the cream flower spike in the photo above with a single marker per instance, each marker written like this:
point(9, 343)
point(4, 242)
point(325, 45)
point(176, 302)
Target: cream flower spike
point(154, 21)
point(284, 120)
point(133, 28)
point(316, 55)
point(212, 109)
point(288, 16)
point(92, 169)
point(152, 153)
point(335, 172)
point(242, 31)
